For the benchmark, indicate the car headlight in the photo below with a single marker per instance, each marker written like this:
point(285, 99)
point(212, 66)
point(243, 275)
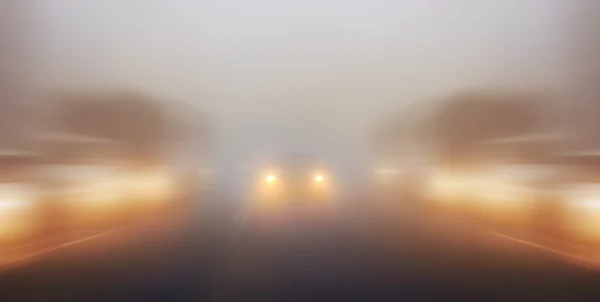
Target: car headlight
point(270, 178)
point(319, 178)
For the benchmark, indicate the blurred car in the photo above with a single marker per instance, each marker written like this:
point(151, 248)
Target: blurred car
point(294, 190)
point(297, 184)
point(295, 179)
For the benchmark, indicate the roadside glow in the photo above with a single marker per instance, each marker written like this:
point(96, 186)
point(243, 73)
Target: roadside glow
point(17, 211)
point(13, 204)
point(582, 214)
point(584, 196)
point(153, 186)
point(16, 196)
point(319, 178)
point(449, 186)
point(96, 193)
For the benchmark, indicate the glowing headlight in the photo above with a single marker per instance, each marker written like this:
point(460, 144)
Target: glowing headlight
point(319, 178)
point(270, 178)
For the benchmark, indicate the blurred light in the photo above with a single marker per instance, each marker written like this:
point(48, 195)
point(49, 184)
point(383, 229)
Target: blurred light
point(11, 205)
point(270, 178)
point(97, 191)
point(153, 186)
point(384, 171)
point(444, 186)
point(17, 211)
point(592, 204)
point(497, 189)
point(13, 196)
point(319, 178)
point(584, 196)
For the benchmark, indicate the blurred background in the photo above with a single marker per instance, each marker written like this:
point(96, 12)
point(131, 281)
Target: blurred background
point(312, 150)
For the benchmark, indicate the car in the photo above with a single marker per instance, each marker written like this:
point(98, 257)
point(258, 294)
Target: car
point(294, 190)
point(294, 179)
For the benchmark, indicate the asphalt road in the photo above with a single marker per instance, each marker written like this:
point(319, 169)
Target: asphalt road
point(228, 251)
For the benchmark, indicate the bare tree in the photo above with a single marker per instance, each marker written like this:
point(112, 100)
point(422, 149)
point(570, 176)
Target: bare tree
point(134, 119)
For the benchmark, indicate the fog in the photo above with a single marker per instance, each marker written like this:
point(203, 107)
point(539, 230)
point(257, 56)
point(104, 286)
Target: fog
point(301, 75)
point(234, 149)
point(343, 63)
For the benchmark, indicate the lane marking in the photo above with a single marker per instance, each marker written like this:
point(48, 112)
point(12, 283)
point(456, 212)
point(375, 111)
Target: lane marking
point(224, 275)
point(244, 218)
point(243, 213)
point(34, 243)
point(239, 214)
point(566, 243)
point(588, 263)
point(37, 255)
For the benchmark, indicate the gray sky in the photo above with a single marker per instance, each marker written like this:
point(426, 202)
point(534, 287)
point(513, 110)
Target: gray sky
point(339, 64)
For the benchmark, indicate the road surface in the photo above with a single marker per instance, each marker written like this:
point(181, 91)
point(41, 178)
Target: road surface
point(230, 251)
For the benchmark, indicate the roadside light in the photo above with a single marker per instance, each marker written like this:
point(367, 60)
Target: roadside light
point(16, 196)
point(17, 211)
point(270, 178)
point(319, 178)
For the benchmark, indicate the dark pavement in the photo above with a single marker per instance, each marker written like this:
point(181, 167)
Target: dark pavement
point(225, 252)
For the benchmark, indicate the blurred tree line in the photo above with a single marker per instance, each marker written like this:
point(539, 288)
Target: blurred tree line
point(144, 124)
point(454, 127)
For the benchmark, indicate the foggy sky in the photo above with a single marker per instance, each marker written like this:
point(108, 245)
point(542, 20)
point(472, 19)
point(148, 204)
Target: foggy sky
point(339, 64)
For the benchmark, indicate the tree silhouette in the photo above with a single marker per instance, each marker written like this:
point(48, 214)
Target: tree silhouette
point(464, 120)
